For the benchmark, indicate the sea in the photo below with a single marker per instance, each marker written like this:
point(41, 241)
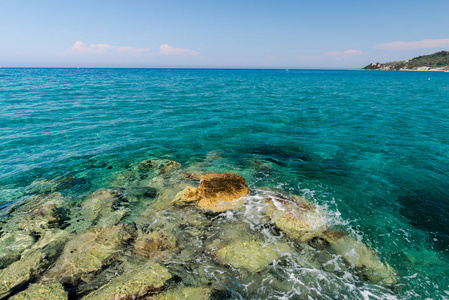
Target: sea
point(369, 149)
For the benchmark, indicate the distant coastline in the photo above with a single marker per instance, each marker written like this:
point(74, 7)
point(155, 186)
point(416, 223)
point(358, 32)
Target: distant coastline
point(438, 61)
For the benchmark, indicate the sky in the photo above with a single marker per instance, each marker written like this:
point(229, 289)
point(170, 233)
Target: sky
point(312, 34)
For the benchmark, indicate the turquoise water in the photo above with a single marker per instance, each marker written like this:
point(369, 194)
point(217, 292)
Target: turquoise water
point(371, 148)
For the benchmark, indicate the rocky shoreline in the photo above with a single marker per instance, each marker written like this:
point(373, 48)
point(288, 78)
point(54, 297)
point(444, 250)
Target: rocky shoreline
point(196, 233)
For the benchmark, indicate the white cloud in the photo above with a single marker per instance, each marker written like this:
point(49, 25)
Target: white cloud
point(82, 48)
point(169, 50)
point(344, 53)
point(423, 44)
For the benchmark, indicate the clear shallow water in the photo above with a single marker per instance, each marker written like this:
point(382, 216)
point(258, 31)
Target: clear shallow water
point(371, 148)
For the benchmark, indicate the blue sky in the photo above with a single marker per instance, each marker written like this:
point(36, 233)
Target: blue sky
point(227, 33)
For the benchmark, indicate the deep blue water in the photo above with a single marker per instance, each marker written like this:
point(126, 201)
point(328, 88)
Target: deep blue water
point(371, 147)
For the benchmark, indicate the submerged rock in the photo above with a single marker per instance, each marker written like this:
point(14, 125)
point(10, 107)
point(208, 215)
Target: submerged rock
point(22, 271)
point(302, 222)
point(146, 165)
point(137, 283)
point(155, 244)
point(299, 220)
point(104, 208)
point(251, 255)
point(38, 213)
point(170, 166)
point(89, 251)
point(33, 262)
point(49, 290)
point(360, 257)
point(217, 192)
point(12, 244)
point(185, 293)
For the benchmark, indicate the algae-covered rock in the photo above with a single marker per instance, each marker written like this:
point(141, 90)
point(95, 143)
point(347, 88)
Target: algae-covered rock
point(251, 255)
point(185, 293)
point(170, 166)
point(38, 213)
point(155, 244)
point(104, 208)
point(89, 251)
point(50, 290)
point(45, 185)
point(146, 165)
point(298, 219)
point(12, 244)
point(143, 281)
point(360, 257)
point(217, 192)
point(22, 271)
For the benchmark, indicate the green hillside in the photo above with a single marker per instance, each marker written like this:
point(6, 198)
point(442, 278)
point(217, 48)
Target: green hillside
point(437, 61)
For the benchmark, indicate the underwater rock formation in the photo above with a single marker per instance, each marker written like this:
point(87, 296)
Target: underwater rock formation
point(140, 282)
point(12, 244)
point(170, 166)
point(104, 208)
point(155, 244)
point(217, 192)
point(38, 213)
point(22, 271)
point(360, 257)
point(48, 290)
point(89, 251)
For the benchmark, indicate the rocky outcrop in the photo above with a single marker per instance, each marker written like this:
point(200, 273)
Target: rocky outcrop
point(217, 192)
point(137, 283)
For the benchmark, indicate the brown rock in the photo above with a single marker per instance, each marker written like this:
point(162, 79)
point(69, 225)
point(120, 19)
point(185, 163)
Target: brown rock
point(154, 244)
point(217, 192)
point(170, 166)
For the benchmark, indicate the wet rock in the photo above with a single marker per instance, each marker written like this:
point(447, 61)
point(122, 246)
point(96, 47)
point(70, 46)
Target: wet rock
point(299, 220)
point(38, 213)
point(50, 290)
point(138, 283)
point(141, 192)
point(170, 166)
point(251, 255)
point(45, 185)
point(360, 257)
point(194, 175)
point(155, 244)
point(22, 271)
point(104, 208)
point(217, 192)
point(146, 165)
point(12, 245)
point(89, 251)
point(33, 262)
point(185, 293)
